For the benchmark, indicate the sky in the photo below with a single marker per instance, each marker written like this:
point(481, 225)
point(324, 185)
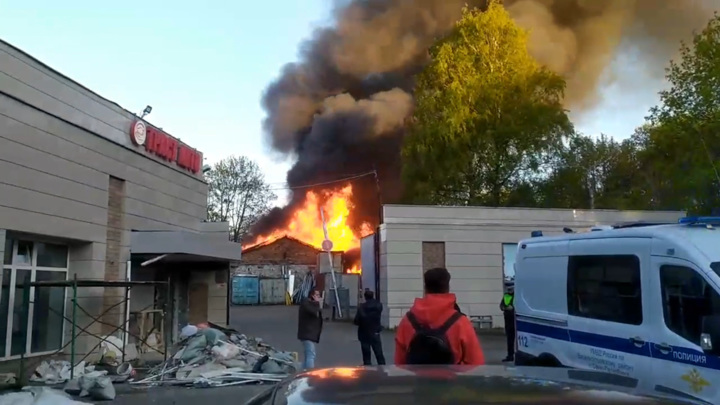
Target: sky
point(203, 66)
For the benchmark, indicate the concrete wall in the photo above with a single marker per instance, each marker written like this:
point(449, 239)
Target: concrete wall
point(272, 270)
point(473, 238)
point(59, 146)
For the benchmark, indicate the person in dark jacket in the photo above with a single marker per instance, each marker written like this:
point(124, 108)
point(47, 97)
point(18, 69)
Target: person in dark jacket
point(367, 319)
point(507, 306)
point(310, 323)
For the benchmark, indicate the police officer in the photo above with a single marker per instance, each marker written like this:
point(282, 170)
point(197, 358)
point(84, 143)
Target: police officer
point(507, 306)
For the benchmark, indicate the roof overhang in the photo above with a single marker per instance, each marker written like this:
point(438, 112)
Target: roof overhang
point(189, 245)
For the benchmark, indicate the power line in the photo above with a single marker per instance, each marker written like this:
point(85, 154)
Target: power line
point(357, 176)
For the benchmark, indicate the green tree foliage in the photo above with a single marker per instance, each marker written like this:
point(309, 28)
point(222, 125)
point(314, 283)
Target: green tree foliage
point(238, 194)
point(487, 116)
point(489, 130)
point(681, 143)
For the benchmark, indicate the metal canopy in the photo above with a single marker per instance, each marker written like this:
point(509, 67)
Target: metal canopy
point(208, 246)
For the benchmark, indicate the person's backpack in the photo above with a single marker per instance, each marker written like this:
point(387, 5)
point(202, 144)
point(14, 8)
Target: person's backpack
point(431, 346)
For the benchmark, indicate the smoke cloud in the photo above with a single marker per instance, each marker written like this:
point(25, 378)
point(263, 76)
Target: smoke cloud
point(340, 109)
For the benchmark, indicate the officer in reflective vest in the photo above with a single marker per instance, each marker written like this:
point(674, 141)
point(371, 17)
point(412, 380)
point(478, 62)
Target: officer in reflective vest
point(507, 306)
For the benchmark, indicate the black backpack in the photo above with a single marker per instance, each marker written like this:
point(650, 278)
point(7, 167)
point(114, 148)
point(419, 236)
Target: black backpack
point(431, 346)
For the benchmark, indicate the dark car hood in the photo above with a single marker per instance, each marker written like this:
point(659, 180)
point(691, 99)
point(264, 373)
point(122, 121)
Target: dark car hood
point(433, 385)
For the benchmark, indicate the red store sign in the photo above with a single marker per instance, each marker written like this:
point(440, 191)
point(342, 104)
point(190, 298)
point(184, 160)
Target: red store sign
point(165, 146)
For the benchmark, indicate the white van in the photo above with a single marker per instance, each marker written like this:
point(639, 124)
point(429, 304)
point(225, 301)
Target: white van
point(640, 301)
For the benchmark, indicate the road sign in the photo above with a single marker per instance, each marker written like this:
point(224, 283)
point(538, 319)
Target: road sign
point(327, 245)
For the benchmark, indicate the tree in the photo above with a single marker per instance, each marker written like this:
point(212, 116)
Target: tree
point(487, 115)
point(582, 173)
point(682, 138)
point(238, 194)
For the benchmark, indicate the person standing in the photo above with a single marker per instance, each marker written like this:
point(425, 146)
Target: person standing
point(310, 324)
point(507, 306)
point(367, 319)
point(434, 331)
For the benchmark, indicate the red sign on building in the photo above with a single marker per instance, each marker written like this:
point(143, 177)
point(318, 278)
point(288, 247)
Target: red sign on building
point(165, 147)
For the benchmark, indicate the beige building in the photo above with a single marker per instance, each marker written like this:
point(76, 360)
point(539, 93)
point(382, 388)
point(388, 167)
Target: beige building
point(476, 244)
point(90, 190)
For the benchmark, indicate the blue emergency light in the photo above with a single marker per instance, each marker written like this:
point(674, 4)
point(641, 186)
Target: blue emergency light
point(536, 234)
point(700, 221)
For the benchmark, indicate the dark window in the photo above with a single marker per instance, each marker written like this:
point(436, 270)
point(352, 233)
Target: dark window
point(687, 298)
point(50, 255)
point(605, 288)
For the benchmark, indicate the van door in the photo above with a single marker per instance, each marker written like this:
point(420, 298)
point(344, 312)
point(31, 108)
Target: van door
point(607, 314)
point(680, 365)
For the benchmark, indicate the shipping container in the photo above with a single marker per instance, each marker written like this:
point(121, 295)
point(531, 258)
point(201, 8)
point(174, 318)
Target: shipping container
point(245, 290)
point(272, 291)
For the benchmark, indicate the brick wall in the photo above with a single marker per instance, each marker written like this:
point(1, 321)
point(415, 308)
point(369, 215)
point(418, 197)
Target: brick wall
point(113, 264)
point(285, 250)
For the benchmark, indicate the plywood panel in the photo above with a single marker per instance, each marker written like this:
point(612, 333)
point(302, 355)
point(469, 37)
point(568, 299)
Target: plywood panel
point(198, 297)
point(433, 255)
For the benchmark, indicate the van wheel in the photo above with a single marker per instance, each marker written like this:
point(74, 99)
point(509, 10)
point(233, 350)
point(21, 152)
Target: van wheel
point(547, 360)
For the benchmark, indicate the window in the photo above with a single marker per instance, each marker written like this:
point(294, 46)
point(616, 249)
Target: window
point(509, 253)
point(28, 261)
point(433, 255)
point(687, 298)
point(605, 288)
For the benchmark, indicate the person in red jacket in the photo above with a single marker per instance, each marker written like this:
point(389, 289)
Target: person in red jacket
point(434, 331)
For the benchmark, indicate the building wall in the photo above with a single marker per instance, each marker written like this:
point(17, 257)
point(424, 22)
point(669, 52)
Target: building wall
point(472, 239)
point(272, 270)
point(60, 146)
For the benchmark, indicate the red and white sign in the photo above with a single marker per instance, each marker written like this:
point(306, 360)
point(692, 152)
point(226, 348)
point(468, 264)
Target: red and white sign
point(166, 147)
point(138, 133)
point(327, 245)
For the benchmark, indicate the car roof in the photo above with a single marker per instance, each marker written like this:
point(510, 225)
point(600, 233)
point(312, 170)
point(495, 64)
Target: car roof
point(395, 385)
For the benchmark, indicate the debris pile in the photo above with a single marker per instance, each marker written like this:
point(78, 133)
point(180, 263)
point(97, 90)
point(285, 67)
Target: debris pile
point(210, 356)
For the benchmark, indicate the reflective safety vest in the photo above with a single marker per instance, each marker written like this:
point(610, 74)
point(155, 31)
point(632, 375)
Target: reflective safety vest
point(507, 299)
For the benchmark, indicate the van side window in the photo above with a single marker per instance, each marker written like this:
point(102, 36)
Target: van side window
point(605, 288)
point(686, 298)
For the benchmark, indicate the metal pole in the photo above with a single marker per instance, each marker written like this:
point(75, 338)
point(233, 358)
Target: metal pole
point(332, 268)
point(24, 324)
point(74, 322)
point(126, 334)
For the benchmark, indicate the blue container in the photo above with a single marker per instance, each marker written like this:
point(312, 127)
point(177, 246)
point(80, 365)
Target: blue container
point(245, 290)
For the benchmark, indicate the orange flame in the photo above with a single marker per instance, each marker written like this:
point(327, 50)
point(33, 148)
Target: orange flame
point(306, 223)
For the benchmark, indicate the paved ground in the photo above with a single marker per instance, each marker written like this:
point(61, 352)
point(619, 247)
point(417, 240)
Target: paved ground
point(277, 325)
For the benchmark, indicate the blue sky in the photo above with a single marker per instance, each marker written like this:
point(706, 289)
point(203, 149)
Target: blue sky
point(203, 68)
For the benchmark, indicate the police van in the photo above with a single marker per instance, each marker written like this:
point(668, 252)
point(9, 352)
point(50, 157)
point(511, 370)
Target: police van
point(640, 301)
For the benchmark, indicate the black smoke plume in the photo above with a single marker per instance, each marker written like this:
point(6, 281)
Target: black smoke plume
point(340, 110)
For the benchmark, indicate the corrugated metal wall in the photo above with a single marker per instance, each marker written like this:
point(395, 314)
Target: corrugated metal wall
point(245, 290)
point(272, 291)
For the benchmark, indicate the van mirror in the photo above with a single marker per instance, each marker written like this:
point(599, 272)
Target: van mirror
point(710, 336)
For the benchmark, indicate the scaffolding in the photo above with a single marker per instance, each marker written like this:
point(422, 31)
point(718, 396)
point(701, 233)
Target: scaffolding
point(124, 327)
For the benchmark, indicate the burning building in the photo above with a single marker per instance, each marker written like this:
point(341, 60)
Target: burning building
point(299, 238)
point(339, 112)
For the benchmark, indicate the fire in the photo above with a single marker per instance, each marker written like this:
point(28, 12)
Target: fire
point(354, 269)
point(306, 224)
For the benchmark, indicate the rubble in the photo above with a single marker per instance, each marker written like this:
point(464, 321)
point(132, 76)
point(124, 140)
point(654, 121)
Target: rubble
point(206, 356)
point(211, 356)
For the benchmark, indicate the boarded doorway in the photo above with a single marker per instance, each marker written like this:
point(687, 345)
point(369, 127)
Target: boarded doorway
point(198, 301)
point(433, 255)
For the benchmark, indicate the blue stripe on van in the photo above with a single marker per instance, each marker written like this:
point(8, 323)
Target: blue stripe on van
point(678, 354)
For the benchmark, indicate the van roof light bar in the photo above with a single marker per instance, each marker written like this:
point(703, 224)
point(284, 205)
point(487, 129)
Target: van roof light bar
point(703, 221)
point(536, 234)
point(638, 224)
